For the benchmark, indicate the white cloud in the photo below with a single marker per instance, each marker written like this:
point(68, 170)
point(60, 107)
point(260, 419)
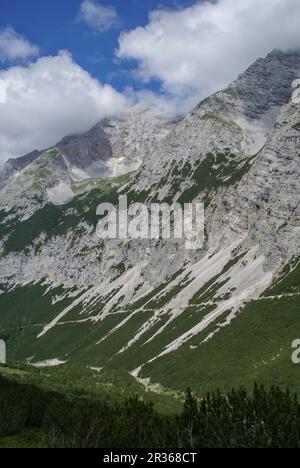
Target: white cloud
point(161, 102)
point(200, 49)
point(49, 99)
point(13, 46)
point(97, 16)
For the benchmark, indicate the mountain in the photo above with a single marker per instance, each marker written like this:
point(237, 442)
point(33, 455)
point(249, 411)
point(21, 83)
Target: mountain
point(219, 316)
point(13, 166)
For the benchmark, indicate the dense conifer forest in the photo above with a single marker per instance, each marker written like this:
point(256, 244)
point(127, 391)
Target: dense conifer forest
point(34, 417)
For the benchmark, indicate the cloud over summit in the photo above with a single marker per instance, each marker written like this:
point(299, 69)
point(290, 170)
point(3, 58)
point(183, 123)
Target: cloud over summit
point(48, 99)
point(197, 50)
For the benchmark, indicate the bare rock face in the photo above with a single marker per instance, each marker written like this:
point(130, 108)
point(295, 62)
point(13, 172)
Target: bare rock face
point(12, 166)
point(83, 151)
point(265, 203)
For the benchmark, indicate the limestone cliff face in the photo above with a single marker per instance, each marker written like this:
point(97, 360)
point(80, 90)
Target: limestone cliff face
point(13, 166)
point(265, 203)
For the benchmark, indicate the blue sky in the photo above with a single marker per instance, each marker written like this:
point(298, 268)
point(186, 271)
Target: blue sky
point(67, 64)
point(53, 25)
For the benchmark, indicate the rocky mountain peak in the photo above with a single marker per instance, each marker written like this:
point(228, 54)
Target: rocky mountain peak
point(267, 83)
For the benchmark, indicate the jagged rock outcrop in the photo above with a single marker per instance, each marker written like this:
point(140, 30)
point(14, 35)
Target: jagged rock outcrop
point(13, 166)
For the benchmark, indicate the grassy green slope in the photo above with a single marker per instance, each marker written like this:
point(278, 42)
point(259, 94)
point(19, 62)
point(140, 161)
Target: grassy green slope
point(82, 382)
point(54, 220)
point(257, 346)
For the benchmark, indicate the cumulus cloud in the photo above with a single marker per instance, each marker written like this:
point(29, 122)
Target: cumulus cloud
point(197, 50)
point(48, 99)
point(99, 17)
point(14, 46)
